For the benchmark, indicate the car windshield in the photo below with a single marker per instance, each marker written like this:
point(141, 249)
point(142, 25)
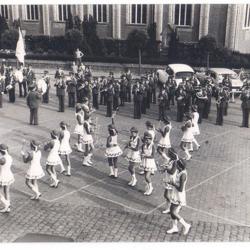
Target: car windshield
point(231, 76)
point(180, 75)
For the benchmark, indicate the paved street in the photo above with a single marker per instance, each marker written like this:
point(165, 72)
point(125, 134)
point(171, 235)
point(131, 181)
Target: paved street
point(90, 206)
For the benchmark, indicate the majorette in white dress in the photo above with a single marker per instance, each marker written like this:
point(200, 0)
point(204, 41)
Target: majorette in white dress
point(35, 170)
point(151, 132)
point(168, 179)
point(148, 163)
point(65, 148)
point(6, 175)
point(179, 198)
point(86, 137)
point(79, 127)
point(133, 155)
point(188, 133)
point(164, 142)
point(53, 157)
point(196, 130)
point(113, 151)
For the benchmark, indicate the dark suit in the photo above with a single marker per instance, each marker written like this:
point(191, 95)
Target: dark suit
point(245, 106)
point(33, 99)
point(1, 92)
point(110, 95)
point(60, 92)
point(71, 89)
point(30, 77)
point(46, 94)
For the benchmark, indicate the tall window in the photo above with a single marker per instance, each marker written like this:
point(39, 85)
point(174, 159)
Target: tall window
point(138, 14)
point(100, 12)
point(32, 12)
point(63, 12)
point(4, 11)
point(247, 17)
point(183, 14)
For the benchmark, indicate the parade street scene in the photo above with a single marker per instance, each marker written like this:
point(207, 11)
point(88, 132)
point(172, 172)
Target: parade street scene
point(141, 135)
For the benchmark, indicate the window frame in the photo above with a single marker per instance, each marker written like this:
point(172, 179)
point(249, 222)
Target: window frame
point(28, 13)
point(6, 10)
point(246, 17)
point(185, 15)
point(68, 10)
point(130, 13)
point(96, 9)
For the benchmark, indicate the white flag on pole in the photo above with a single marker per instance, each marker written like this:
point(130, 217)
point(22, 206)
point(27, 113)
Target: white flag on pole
point(20, 51)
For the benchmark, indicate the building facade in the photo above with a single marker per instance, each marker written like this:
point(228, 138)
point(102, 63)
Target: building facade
point(228, 23)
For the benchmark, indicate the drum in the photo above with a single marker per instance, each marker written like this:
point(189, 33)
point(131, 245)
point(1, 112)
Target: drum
point(41, 86)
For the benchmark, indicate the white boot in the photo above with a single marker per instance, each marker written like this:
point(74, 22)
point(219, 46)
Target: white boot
point(89, 159)
point(146, 189)
point(134, 180)
point(111, 171)
point(6, 205)
point(68, 170)
point(189, 156)
point(174, 228)
point(62, 168)
point(150, 190)
point(116, 172)
point(85, 162)
point(79, 147)
point(185, 225)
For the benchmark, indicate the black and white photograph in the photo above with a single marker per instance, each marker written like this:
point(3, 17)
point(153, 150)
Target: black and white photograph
point(124, 122)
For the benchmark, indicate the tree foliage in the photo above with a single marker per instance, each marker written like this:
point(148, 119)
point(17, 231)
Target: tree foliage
point(9, 39)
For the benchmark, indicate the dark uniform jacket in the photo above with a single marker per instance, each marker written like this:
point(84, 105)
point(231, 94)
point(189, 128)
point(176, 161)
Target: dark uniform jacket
point(33, 99)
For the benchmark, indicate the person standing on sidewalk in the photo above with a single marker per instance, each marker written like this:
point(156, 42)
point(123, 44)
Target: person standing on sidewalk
point(178, 199)
point(60, 92)
point(33, 99)
point(78, 56)
point(245, 106)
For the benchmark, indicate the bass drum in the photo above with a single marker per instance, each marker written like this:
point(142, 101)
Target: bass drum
point(41, 86)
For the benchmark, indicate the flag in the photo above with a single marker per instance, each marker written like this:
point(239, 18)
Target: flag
point(20, 51)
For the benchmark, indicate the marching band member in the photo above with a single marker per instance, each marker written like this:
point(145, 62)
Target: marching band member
point(53, 158)
point(113, 150)
point(29, 75)
point(178, 199)
point(79, 114)
point(220, 104)
point(60, 91)
point(137, 100)
point(46, 78)
point(133, 154)
point(123, 86)
point(245, 106)
point(180, 98)
point(196, 129)
point(10, 85)
point(22, 84)
point(128, 75)
point(110, 95)
point(172, 86)
point(117, 89)
point(162, 102)
point(2, 88)
point(103, 90)
point(6, 177)
point(33, 99)
point(71, 89)
point(95, 93)
point(35, 171)
point(148, 161)
point(201, 99)
point(65, 148)
point(187, 138)
point(87, 140)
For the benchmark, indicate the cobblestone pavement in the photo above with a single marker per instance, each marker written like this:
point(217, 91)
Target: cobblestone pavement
point(89, 206)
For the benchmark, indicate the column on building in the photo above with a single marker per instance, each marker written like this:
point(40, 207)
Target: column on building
point(171, 14)
point(79, 11)
point(46, 20)
point(116, 18)
point(204, 20)
point(15, 12)
point(90, 10)
point(231, 26)
point(159, 21)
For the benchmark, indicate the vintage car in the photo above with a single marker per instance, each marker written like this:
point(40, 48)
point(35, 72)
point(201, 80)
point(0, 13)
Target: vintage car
point(218, 74)
point(178, 71)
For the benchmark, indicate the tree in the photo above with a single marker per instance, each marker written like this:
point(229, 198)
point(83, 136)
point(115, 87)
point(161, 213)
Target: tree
point(3, 25)
point(69, 23)
point(9, 39)
point(173, 42)
point(136, 41)
point(207, 46)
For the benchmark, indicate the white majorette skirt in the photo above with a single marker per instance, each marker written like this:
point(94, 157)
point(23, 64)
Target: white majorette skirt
point(53, 160)
point(6, 180)
point(196, 130)
point(87, 139)
point(65, 149)
point(178, 198)
point(34, 172)
point(113, 152)
point(163, 143)
point(78, 129)
point(133, 156)
point(148, 164)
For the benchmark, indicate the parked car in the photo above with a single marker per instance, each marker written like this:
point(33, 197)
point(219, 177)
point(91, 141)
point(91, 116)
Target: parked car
point(178, 71)
point(218, 75)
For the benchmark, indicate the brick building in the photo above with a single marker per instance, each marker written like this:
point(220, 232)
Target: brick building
point(228, 23)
